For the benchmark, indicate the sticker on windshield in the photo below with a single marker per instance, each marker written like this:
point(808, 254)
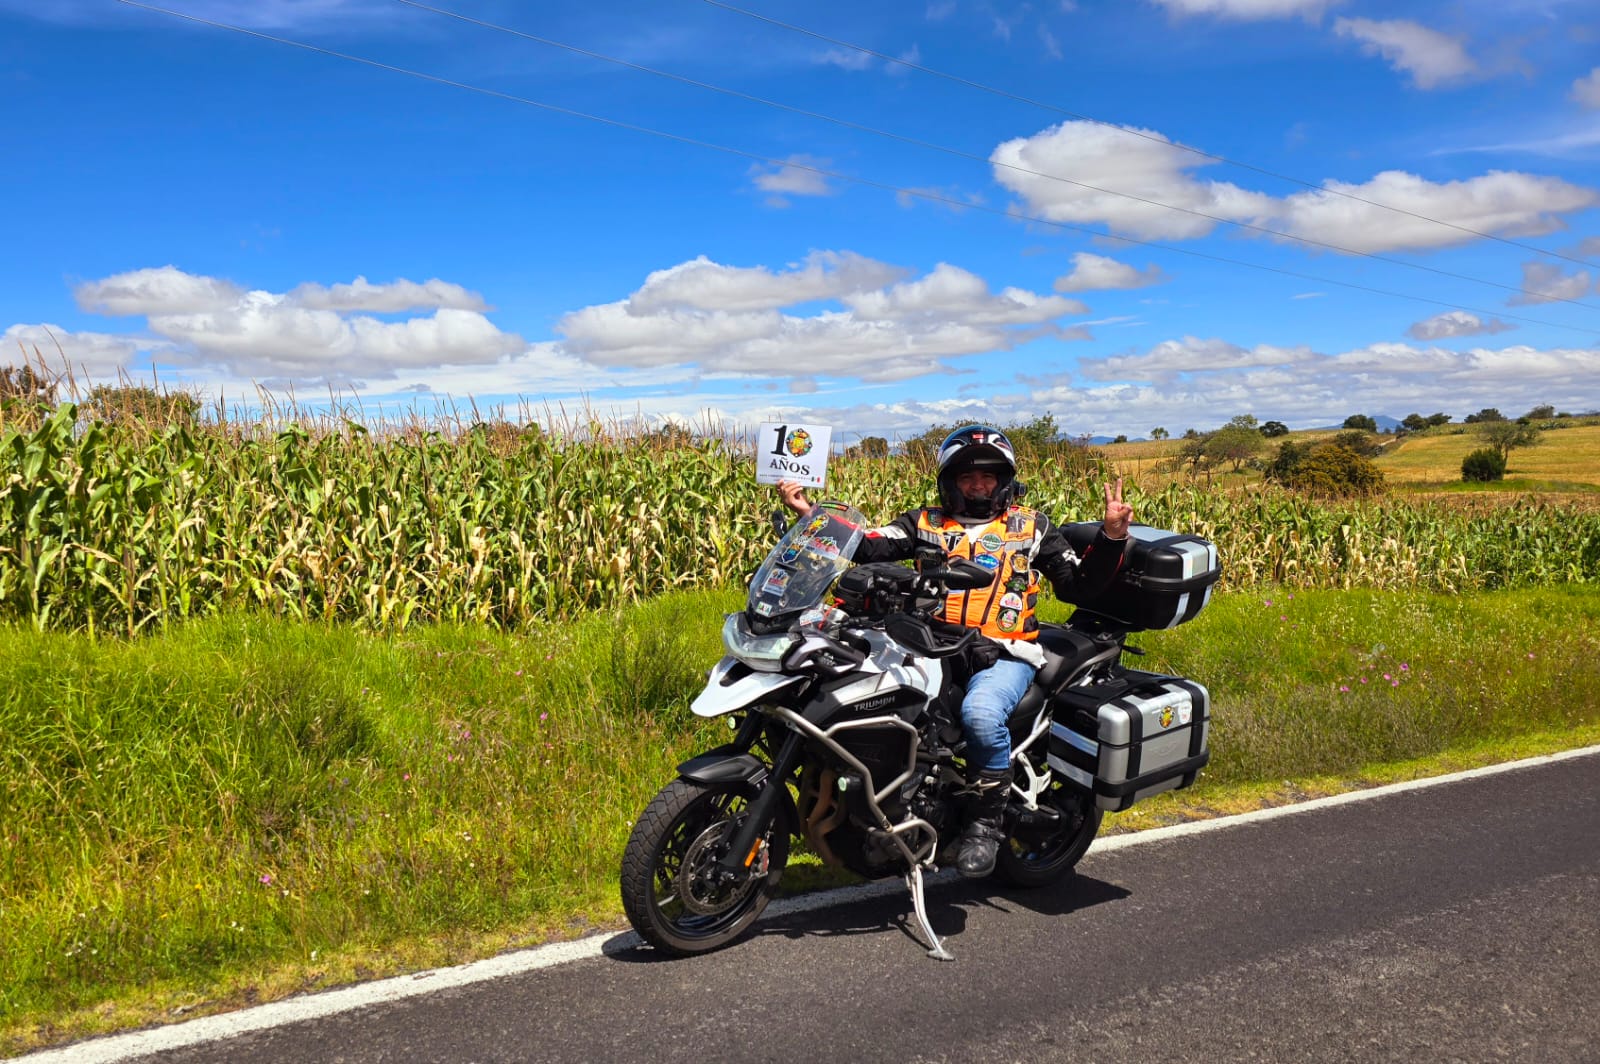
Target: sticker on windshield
point(777, 580)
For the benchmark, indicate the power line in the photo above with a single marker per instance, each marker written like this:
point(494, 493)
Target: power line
point(821, 171)
point(980, 86)
point(846, 123)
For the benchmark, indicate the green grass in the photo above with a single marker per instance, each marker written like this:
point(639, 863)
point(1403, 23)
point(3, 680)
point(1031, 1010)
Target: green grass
point(238, 808)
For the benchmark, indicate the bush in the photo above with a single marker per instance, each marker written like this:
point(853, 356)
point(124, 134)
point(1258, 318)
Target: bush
point(1483, 465)
point(1361, 421)
point(1333, 470)
point(1272, 429)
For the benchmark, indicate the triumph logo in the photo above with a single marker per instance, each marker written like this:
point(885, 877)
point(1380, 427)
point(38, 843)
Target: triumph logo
point(874, 703)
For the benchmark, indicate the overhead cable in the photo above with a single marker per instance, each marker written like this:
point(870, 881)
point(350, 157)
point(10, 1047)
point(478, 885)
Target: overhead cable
point(922, 194)
point(958, 153)
point(980, 86)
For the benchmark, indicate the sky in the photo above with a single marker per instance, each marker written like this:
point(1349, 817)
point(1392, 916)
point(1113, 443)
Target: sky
point(876, 217)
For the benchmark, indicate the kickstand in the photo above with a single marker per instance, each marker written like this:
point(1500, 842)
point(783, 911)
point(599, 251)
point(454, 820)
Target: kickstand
point(920, 904)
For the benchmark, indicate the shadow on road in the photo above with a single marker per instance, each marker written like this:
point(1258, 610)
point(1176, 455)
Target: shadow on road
point(950, 899)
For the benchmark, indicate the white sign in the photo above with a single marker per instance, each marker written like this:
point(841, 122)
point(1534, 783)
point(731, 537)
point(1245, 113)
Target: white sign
point(792, 452)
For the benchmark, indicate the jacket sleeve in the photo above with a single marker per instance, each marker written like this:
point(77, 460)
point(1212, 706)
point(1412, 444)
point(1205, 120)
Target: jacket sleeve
point(1073, 577)
point(893, 542)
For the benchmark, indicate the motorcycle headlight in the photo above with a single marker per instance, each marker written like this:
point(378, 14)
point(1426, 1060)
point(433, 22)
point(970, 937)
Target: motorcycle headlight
point(764, 653)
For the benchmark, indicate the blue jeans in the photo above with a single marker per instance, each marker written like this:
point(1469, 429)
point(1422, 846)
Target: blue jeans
point(991, 696)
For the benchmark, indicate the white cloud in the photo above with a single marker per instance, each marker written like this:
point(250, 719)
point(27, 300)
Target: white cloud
point(91, 353)
point(797, 176)
point(1092, 272)
point(949, 292)
point(266, 336)
point(1430, 57)
point(1455, 323)
point(159, 290)
point(391, 298)
point(1249, 10)
point(1546, 282)
point(1154, 190)
point(1146, 165)
point(307, 334)
point(845, 58)
point(1586, 90)
point(705, 285)
point(1497, 202)
point(728, 320)
point(1192, 355)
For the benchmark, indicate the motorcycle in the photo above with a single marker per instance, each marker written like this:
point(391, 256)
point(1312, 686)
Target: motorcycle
point(846, 714)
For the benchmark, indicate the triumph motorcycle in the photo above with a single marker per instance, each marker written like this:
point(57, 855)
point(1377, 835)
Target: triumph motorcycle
point(846, 711)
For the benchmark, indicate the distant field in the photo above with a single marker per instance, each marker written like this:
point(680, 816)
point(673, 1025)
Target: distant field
point(1565, 461)
point(1561, 457)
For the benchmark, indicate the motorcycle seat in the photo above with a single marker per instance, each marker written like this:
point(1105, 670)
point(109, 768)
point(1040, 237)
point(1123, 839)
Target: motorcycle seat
point(1065, 649)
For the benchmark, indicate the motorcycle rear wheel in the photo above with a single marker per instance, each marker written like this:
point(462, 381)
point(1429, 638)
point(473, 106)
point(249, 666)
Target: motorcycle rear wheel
point(669, 889)
point(1037, 856)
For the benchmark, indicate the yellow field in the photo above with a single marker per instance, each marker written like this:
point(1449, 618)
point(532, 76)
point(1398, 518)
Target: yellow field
point(1563, 455)
point(1561, 458)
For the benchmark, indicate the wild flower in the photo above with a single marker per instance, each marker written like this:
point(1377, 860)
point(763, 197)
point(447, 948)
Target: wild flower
point(1344, 688)
point(266, 880)
point(544, 716)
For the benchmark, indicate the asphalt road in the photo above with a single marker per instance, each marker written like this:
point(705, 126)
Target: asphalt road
point(1455, 923)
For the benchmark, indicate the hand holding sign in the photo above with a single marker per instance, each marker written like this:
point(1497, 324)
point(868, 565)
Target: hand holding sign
point(792, 452)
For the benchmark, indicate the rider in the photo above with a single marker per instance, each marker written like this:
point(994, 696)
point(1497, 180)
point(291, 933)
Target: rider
point(979, 519)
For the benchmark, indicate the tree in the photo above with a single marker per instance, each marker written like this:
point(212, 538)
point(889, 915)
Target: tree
point(1233, 443)
point(140, 404)
point(1483, 465)
point(1038, 433)
point(1285, 461)
point(1274, 429)
point(1435, 420)
point(1244, 421)
point(1361, 421)
point(1541, 413)
point(1192, 453)
point(1413, 422)
point(1121, 438)
point(1483, 416)
point(25, 392)
point(1335, 471)
point(869, 447)
point(1506, 436)
point(1363, 443)
point(1159, 433)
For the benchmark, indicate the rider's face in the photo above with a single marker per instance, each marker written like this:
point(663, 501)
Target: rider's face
point(977, 483)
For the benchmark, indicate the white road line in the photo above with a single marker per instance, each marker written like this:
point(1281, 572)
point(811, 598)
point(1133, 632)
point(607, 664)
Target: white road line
point(311, 1006)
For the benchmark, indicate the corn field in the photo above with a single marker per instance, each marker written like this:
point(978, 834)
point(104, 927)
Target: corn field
point(112, 527)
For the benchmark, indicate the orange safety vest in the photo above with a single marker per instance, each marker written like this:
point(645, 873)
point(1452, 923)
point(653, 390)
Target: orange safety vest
point(1004, 609)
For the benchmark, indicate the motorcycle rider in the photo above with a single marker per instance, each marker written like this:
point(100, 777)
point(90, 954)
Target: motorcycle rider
point(978, 518)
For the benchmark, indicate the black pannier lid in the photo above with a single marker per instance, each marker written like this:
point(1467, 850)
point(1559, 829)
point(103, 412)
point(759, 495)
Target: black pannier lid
point(1165, 580)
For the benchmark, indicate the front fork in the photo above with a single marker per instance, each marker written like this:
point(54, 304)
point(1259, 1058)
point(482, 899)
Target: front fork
point(745, 846)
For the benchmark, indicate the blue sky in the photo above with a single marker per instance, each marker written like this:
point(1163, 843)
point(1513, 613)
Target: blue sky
point(1124, 214)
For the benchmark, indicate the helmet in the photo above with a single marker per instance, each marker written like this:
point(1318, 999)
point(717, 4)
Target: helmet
point(982, 448)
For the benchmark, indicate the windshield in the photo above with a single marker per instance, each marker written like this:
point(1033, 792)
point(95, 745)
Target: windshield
point(806, 561)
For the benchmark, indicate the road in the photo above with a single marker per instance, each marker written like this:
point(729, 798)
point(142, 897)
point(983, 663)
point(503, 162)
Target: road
point(1458, 922)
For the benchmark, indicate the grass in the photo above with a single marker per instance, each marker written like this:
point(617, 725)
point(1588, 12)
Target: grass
point(238, 808)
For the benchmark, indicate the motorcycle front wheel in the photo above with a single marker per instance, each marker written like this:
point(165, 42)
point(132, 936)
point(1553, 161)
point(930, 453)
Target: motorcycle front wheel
point(1038, 855)
point(670, 887)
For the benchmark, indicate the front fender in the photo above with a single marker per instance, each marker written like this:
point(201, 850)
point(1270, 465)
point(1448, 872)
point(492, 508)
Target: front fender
point(746, 772)
point(733, 685)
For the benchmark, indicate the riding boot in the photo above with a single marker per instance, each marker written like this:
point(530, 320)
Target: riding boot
point(980, 842)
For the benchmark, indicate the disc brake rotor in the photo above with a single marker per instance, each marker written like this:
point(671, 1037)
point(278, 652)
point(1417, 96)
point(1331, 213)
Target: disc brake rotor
point(696, 879)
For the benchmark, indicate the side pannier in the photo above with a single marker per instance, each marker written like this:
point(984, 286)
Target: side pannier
point(1127, 738)
point(1166, 579)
